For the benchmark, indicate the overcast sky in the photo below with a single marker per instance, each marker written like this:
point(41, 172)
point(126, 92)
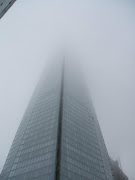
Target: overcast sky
point(101, 34)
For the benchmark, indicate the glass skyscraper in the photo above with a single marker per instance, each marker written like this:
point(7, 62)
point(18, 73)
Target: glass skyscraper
point(59, 137)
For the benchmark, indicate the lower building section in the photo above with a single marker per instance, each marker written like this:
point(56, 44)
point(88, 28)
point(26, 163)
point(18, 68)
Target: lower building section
point(81, 157)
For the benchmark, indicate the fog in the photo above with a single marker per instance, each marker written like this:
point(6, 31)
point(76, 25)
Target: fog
point(99, 34)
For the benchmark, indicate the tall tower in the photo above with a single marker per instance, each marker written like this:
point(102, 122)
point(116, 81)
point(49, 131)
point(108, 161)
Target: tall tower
point(59, 137)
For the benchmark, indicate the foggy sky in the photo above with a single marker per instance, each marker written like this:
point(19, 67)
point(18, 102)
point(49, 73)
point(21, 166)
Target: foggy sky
point(99, 34)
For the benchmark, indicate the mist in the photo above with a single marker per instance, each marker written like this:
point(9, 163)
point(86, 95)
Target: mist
point(100, 35)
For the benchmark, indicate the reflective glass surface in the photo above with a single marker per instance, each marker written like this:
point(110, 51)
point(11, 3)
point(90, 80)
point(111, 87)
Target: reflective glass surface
point(33, 151)
point(83, 152)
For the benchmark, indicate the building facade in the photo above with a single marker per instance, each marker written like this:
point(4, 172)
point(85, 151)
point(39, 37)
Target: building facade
point(59, 137)
point(5, 5)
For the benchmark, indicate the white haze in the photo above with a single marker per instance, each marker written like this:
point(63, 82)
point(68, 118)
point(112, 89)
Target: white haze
point(99, 33)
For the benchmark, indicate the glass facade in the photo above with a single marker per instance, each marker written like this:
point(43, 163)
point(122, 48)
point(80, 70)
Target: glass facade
point(83, 152)
point(33, 151)
point(59, 137)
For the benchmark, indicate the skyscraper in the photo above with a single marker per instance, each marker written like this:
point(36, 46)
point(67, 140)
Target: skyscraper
point(5, 5)
point(59, 137)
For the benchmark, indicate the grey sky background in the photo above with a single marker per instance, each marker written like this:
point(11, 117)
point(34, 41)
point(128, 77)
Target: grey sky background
point(100, 34)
